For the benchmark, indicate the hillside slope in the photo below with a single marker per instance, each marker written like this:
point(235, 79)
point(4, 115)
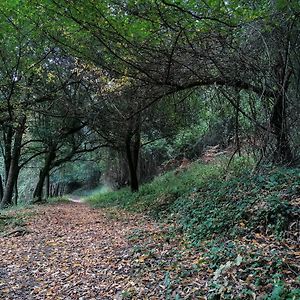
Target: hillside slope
point(245, 223)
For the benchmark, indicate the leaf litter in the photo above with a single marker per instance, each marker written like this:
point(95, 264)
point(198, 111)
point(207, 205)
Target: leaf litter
point(72, 251)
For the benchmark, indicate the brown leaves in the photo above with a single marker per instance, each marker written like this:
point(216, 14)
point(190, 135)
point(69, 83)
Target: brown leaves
point(65, 257)
point(75, 252)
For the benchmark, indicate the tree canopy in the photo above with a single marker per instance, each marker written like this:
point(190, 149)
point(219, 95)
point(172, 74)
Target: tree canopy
point(79, 76)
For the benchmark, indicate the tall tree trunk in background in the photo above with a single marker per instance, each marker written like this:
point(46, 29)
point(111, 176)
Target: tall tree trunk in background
point(283, 153)
point(132, 165)
point(133, 145)
point(136, 147)
point(44, 173)
point(9, 186)
point(14, 164)
point(56, 190)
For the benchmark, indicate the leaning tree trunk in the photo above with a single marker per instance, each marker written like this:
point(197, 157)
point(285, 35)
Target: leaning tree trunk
point(9, 187)
point(14, 165)
point(16, 191)
point(38, 192)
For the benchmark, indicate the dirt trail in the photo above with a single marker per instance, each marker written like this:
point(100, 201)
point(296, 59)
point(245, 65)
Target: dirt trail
point(76, 199)
point(72, 252)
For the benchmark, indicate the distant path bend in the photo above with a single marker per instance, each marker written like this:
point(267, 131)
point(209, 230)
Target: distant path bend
point(76, 199)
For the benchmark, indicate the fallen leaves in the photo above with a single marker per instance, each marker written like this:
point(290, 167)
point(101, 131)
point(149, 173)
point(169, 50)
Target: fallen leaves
point(75, 252)
point(68, 255)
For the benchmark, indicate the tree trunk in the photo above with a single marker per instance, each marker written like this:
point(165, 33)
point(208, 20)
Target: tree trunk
point(8, 192)
point(136, 149)
point(14, 165)
point(61, 190)
point(1, 188)
point(38, 191)
point(133, 145)
point(283, 153)
point(132, 165)
point(47, 187)
point(44, 173)
point(16, 191)
point(57, 186)
point(51, 190)
point(8, 139)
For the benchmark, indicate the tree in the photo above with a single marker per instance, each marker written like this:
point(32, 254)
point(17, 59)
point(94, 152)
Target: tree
point(192, 44)
point(25, 60)
point(129, 58)
point(17, 58)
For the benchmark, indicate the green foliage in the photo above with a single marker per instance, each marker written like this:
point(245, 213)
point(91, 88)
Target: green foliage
point(83, 192)
point(251, 200)
point(262, 266)
point(157, 195)
point(281, 292)
point(230, 215)
point(82, 171)
point(208, 200)
point(161, 44)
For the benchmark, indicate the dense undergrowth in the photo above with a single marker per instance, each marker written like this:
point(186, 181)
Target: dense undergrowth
point(239, 218)
point(211, 200)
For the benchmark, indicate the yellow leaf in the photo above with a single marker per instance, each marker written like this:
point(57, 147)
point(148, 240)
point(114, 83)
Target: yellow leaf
point(51, 243)
point(77, 265)
point(170, 268)
point(142, 258)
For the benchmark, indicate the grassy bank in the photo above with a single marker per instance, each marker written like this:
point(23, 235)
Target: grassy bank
point(207, 200)
point(245, 223)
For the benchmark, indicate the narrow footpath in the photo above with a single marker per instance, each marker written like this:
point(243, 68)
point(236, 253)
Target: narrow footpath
point(72, 251)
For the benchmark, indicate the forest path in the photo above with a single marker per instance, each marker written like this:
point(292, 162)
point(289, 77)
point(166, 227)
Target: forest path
point(76, 199)
point(75, 252)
